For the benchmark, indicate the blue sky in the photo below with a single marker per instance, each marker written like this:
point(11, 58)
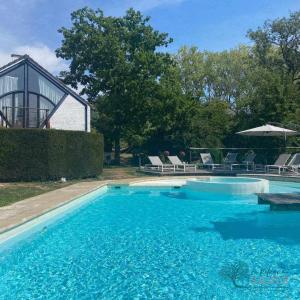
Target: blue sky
point(30, 26)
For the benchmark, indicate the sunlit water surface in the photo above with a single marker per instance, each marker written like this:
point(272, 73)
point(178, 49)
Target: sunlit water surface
point(160, 243)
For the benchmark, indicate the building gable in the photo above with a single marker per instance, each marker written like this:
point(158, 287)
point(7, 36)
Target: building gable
point(30, 95)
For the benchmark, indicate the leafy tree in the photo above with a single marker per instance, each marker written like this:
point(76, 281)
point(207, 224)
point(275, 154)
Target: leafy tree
point(180, 120)
point(284, 35)
point(210, 76)
point(191, 63)
point(117, 61)
point(212, 123)
point(276, 56)
point(152, 101)
point(169, 118)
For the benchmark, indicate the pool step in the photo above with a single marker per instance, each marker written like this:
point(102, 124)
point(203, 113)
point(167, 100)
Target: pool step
point(283, 201)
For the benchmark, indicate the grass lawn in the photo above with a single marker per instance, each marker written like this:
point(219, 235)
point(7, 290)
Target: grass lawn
point(116, 172)
point(13, 192)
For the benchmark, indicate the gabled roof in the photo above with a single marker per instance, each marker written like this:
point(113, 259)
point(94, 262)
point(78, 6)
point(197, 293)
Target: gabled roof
point(27, 59)
point(12, 63)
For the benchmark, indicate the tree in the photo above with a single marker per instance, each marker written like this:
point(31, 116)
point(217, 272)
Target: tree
point(210, 76)
point(117, 61)
point(172, 115)
point(191, 63)
point(284, 35)
point(276, 56)
point(152, 101)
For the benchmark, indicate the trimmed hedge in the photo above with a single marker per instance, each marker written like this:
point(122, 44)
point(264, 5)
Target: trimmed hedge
point(39, 154)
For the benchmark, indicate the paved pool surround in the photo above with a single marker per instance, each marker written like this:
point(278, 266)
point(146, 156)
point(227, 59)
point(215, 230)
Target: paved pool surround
point(28, 209)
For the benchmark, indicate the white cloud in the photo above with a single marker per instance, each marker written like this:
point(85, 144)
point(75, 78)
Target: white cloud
point(40, 53)
point(20, 39)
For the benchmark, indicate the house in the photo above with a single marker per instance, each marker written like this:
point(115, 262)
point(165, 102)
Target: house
point(31, 97)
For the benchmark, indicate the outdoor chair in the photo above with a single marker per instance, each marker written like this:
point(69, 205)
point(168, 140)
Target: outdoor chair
point(248, 161)
point(207, 161)
point(280, 163)
point(230, 158)
point(158, 165)
point(294, 164)
point(179, 165)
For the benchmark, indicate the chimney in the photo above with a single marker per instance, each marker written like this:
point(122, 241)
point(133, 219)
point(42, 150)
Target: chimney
point(16, 55)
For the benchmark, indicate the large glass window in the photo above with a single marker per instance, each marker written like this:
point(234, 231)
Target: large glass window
point(38, 110)
point(40, 85)
point(12, 81)
point(19, 112)
point(27, 109)
point(45, 108)
point(6, 104)
point(32, 111)
point(12, 108)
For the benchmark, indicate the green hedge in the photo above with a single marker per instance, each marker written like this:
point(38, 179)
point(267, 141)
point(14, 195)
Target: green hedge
point(38, 154)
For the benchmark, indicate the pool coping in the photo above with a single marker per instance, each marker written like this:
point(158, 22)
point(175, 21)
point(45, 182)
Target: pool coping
point(25, 211)
point(43, 220)
point(36, 200)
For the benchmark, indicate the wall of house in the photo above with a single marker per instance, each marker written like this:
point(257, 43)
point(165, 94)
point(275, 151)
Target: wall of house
point(88, 119)
point(71, 115)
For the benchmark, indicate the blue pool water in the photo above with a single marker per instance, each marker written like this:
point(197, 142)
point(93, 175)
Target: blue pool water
point(160, 243)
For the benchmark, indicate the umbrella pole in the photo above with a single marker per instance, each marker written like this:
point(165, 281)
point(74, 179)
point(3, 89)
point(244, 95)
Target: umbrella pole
point(285, 140)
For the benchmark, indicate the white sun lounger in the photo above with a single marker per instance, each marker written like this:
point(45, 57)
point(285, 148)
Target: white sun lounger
point(280, 163)
point(294, 164)
point(181, 165)
point(158, 165)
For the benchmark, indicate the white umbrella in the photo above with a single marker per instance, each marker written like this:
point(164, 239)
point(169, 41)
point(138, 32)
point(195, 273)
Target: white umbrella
point(268, 130)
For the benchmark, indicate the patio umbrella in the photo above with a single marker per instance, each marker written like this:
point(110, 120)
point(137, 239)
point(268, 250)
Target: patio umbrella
point(268, 130)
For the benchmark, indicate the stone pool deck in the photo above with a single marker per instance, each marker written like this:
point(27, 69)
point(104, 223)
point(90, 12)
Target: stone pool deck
point(23, 211)
point(280, 201)
point(273, 177)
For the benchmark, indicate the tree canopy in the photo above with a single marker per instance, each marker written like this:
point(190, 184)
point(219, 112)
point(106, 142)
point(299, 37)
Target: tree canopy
point(117, 62)
point(150, 100)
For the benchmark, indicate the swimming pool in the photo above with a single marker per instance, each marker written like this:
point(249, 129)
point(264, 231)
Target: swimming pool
point(159, 243)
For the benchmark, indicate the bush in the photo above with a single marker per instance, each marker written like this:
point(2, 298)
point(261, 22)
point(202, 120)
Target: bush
point(38, 154)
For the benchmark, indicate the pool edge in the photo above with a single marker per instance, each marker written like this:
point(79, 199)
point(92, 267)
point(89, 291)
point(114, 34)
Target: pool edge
point(50, 215)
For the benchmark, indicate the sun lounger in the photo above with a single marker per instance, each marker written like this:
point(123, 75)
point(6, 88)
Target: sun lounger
point(158, 165)
point(280, 164)
point(248, 161)
point(179, 165)
point(207, 161)
point(294, 164)
point(230, 158)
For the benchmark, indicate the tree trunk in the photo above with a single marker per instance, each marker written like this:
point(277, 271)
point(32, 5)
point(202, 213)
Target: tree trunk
point(117, 149)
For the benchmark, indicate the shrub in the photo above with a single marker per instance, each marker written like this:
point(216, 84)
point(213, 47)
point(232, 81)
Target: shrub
point(38, 154)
